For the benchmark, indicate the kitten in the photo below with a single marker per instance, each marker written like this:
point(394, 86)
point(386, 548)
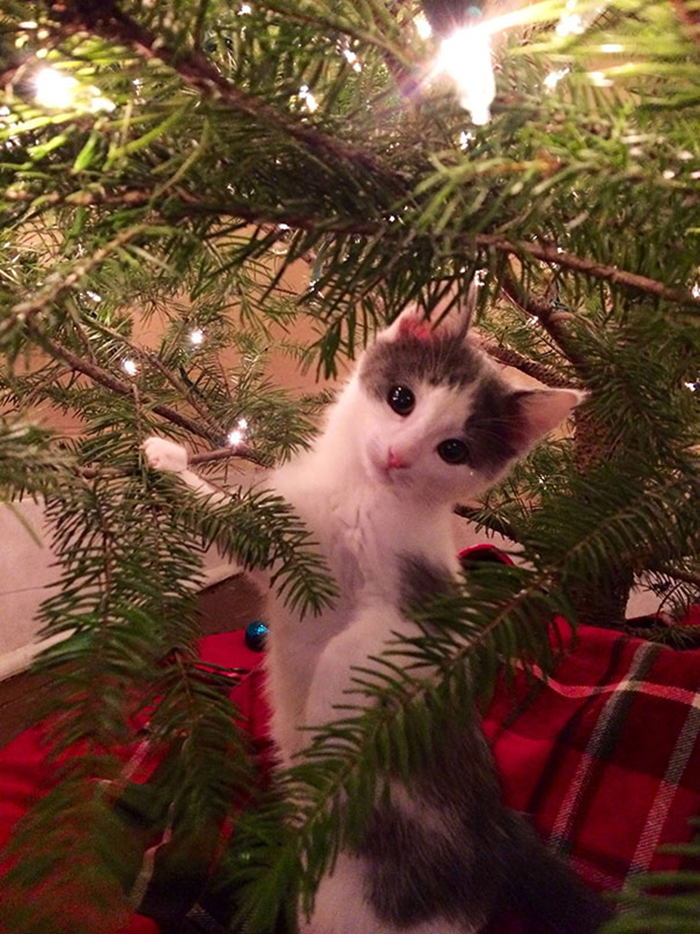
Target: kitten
point(426, 420)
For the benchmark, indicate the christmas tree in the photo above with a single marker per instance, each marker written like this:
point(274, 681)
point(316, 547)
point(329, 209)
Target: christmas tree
point(185, 165)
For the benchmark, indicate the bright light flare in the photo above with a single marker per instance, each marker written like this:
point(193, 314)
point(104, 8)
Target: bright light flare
point(54, 90)
point(308, 98)
point(554, 77)
point(197, 337)
point(466, 57)
point(129, 367)
point(423, 27)
point(235, 437)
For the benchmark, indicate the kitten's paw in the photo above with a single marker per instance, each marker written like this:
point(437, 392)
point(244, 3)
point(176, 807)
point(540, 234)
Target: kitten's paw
point(162, 454)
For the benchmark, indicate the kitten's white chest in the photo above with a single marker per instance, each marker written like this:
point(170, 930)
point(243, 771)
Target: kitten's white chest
point(362, 546)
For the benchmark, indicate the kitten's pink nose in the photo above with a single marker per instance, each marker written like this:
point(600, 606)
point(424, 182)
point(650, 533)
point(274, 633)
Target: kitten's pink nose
point(394, 460)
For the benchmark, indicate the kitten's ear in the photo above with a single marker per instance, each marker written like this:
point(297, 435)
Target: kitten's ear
point(541, 410)
point(450, 315)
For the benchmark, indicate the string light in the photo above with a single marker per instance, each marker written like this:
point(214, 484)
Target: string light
point(466, 57)
point(242, 424)
point(572, 23)
point(54, 90)
point(197, 337)
point(668, 174)
point(235, 437)
point(129, 367)
point(57, 91)
point(554, 77)
point(351, 58)
point(423, 27)
point(307, 97)
point(245, 9)
point(599, 79)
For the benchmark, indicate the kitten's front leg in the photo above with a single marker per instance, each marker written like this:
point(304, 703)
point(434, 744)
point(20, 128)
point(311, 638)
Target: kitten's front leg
point(365, 636)
point(170, 457)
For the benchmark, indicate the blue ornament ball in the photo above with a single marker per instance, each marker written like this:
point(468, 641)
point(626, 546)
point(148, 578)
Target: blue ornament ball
point(255, 635)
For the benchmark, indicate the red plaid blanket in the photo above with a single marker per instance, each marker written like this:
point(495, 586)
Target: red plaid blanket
point(604, 755)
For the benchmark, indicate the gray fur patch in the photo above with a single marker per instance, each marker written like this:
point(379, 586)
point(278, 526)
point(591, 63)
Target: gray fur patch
point(494, 426)
point(417, 872)
point(442, 361)
point(421, 581)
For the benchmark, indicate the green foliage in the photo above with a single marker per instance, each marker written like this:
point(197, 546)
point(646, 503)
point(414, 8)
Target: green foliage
point(246, 170)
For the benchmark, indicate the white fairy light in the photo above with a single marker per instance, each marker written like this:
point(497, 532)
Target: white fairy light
point(465, 138)
point(570, 24)
point(197, 336)
point(695, 291)
point(611, 47)
point(242, 423)
point(554, 77)
point(466, 57)
point(308, 98)
point(129, 367)
point(423, 27)
point(54, 90)
point(245, 9)
point(668, 174)
point(28, 24)
point(695, 175)
point(685, 155)
point(93, 296)
point(352, 59)
point(599, 79)
point(99, 103)
point(235, 437)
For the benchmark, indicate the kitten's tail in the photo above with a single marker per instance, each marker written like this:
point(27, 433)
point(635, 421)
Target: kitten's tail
point(543, 890)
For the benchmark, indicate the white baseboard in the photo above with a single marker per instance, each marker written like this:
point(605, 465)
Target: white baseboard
point(19, 660)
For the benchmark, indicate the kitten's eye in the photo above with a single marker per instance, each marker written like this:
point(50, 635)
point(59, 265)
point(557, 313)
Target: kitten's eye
point(401, 399)
point(453, 451)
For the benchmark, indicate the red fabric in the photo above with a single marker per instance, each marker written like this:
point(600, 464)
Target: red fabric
point(604, 756)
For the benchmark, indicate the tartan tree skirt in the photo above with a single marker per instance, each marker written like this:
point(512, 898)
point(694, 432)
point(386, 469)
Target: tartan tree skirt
point(604, 757)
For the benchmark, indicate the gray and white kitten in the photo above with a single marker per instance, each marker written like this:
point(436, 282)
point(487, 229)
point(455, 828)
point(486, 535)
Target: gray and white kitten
point(425, 420)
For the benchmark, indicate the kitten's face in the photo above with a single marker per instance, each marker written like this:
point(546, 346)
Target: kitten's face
point(438, 419)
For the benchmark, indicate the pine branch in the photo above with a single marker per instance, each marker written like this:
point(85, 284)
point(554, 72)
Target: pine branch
point(539, 371)
point(546, 314)
point(482, 518)
point(545, 252)
point(104, 378)
point(105, 19)
point(57, 287)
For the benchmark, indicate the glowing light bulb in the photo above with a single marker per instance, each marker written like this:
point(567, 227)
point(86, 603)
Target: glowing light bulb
point(554, 77)
point(129, 367)
point(197, 337)
point(599, 79)
point(242, 424)
point(570, 24)
point(466, 57)
point(235, 437)
point(668, 174)
point(245, 9)
point(93, 296)
point(308, 98)
point(99, 103)
point(423, 27)
point(54, 90)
